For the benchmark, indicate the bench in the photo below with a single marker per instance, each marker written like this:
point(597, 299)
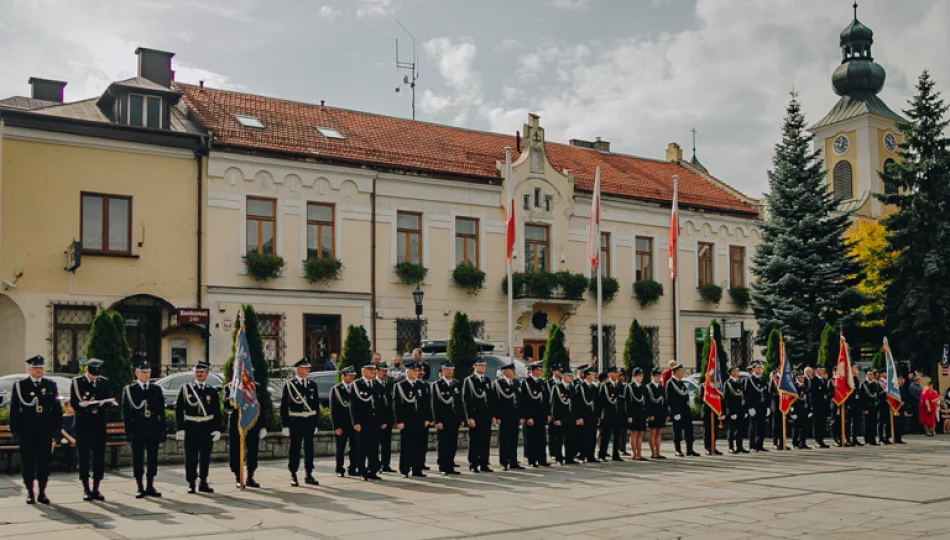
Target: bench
point(115, 439)
point(9, 446)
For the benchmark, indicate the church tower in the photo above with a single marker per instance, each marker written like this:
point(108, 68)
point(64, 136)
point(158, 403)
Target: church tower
point(859, 136)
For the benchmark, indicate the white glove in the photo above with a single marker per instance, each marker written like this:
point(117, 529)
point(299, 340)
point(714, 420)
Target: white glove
point(752, 413)
point(809, 415)
point(285, 431)
point(768, 413)
point(263, 432)
point(677, 417)
point(733, 417)
point(215, 436)
point(316, 430)
point(794, 417)
point(180, 435)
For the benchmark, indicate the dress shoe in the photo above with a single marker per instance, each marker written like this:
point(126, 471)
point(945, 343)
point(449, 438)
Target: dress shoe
point(571, 462)
point(717, 453)
point(731, 451)
point(425, 467)
point(692, 454)
point(418, 475)
point(311, 481)
point(191, 488)
point(624, 452)
point(743, 451)
point(404, 475)
point(450, 473)
point(374, 476)
point(388, 469)
point(516, 467)
point(30, 497)
point(857, 443)
point(616, 458)
point(709, 452)
point(295, 483)
point(823, 445)
point(86, 495)
point(42, 498)
point(804, 447)
point(900, 442)
point(679, 454)
point(140, 494)
point(351, 472)
point(150, 491)
point(486, 468)
point(341, 473)
point(544, 464)
point(251, 483)
point(473, 468)
point(203, 487)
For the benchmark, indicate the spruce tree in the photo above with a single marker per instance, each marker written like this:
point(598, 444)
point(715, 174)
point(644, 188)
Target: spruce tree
point(877, 361)
point(252, 332)
point(356, 350)
point(805, 276)
point(917, 297)
point(722, 357)
point(637, 351)
point(772, 351)
point(461, 350)
point(107, 344)
point(828, 349)
point(555, 353)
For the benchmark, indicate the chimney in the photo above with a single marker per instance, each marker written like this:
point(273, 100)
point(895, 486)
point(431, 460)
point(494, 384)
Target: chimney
point(580, 143)
point(156, 66)
point(603, 146)
point(674, 154)
point(46, 89)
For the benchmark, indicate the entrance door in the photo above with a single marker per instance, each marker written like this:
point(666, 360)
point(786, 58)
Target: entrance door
point(322, 335)
point(534, 350)
point(143, 330)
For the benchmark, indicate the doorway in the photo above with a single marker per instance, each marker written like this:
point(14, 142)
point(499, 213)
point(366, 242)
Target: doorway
point(322, 338)
point(534, 350)
point(143, 330)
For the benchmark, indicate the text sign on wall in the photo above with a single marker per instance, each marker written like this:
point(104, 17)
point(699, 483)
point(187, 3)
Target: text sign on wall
point(194, 316)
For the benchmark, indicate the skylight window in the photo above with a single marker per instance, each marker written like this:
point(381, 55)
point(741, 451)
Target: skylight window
point(330, 133)
point(249, 121)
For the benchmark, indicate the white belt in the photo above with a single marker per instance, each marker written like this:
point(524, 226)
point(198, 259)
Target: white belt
point(199, 418)
point(305, 414)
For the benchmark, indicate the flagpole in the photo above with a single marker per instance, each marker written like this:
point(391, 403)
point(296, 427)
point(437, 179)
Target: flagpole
point(510, 202)
point(592, 241)
point(676, 277)
point(844, 442)
point(784, 426)
point(712, 429)
point(891, 410)
point(241, 462)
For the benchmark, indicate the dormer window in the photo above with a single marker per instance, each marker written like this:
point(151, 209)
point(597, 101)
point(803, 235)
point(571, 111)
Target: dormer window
point(145, 111)
point(249, 121)
point(330, 133)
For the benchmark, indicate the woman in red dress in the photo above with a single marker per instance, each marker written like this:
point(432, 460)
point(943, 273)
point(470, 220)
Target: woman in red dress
point(929, 405)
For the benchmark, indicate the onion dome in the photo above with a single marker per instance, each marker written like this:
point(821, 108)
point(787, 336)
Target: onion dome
point(858, 73)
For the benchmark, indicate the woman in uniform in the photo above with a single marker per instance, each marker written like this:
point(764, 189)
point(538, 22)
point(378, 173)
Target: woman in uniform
point(635, 397)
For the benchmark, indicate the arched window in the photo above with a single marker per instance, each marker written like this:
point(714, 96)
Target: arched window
point(843, 181)
point(889, 189)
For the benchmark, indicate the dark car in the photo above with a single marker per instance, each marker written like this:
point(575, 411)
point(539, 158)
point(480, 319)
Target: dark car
point(325, 381)
point(171, 384)
point(63, 385)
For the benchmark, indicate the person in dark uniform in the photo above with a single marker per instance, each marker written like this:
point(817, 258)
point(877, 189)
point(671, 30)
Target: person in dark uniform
point(677, 397)
point(736, 406)
point(900, 415)
point(505, 409)
point(800, 414)
point(555, 377)
point(367, 421)
point(712, 423)
point(855, 411)
point(340, 396)
point(656, 411)
point(580, 373)
point(448, 414)
point(535, 410)
point(299, 413)
point(36, 419)
point(251, 441)
point(564, 418)
point(412, 414)
point(870, 405)
point(819, 398)
point(611, 414)
point(756, 389)
point(198, 417)
point(384, 389)
point(143, 410)
point(91, 395)
point(636, 411)
point(424, 391)
point(586, 406)
point(775, 412)
point(476, 408)
point(883, 411)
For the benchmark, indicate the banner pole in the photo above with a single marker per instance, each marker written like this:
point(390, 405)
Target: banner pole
point(241, 460)
point(712, 430)
point(844, 441)
point(891, 409)
point(784, 423)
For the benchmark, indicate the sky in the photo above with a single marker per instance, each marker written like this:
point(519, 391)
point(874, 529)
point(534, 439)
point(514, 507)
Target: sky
point(637, 73)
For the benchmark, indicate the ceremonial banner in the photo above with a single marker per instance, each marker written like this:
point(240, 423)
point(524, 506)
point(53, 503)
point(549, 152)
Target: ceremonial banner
point(844, 383)
point(243, 393)
point(892, 389)
point(788, 393)
point(674, 228)
point(712, 388)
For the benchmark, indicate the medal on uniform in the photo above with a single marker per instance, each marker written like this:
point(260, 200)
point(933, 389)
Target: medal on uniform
point(39, 409)
point(148, 413)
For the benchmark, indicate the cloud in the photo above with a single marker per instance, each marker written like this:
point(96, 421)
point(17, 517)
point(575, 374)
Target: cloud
point(328, 13)
point(570, 5)
point(454, 61)
point(374, 8)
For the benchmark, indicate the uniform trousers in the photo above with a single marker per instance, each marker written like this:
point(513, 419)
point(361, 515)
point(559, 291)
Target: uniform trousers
point(479, 442)
point(737, 428)
point(385, 446)
point(567, 442)
point(410, 453)
point(448, 444)
point(855, 422)
point(820, 426)
point(144, 455)
point(710, 426)
point(91, 444)
point(251, 443)
point(367, 444)
point(348, 437)
point(35, 452)
point(610, 429)
point(508, 442)
point(757, 428)
point(198, 445)
point(870, 426)
point(534, 442)
point(301, 436)
point(683, 430)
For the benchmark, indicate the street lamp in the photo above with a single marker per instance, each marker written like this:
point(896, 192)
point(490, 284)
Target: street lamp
point(417, 299)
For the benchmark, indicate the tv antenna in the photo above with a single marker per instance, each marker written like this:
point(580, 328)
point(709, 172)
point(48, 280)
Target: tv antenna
point(408, 80)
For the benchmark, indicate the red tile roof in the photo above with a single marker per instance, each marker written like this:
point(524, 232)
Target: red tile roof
point(398, 143)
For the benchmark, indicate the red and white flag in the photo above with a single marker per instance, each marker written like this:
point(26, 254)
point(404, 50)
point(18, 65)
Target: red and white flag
point(593, 234)
point(674, 227)
point(844, 381)
point(510, 214)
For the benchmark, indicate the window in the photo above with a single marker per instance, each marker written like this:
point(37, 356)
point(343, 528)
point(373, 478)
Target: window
point(548, 203)
point(705, 257)
point(536, 248)
point(843, 184)
point(409, 237)
point(145, 111)
point(106, 224)
point(890, 188)
point(71, 326)
point(610, 351)
point(330, 133)
point(271, 327)
point(526, 201)
point(320, 238)
point(249, 121)
point(478, 329)
point(179, 353)
point(537, 197)
point(466, 241)
point(261, 225)
point(409, 334)
point(604, 254)
point(644, 269)
point(736, 266)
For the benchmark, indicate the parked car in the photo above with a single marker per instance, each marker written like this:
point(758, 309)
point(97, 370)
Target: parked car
point(63, 385)
point(171, 384)
point(325, 381)
point(493, 366)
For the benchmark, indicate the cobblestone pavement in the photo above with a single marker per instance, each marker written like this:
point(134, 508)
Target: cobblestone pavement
point(868, 493)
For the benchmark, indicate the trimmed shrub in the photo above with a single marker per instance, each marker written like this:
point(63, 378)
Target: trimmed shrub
point(648, 292)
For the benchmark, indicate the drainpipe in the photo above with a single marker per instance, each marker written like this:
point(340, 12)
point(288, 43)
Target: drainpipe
point(200, 152)
point(372, 262)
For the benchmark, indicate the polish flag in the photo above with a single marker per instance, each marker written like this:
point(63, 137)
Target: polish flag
point(844, 382)
point(674, 227)
point(593, 235)
point(510, 214)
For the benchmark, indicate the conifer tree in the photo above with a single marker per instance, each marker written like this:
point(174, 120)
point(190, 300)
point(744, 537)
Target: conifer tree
point(805, 276)
point(356, 350)
point(252, 332)
point(107, 344)
point(555, 353)
point(637, 351)
point(917, 297)
point(461, 350)
point(722, 357)
point(772, 351)
point(828, 349)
